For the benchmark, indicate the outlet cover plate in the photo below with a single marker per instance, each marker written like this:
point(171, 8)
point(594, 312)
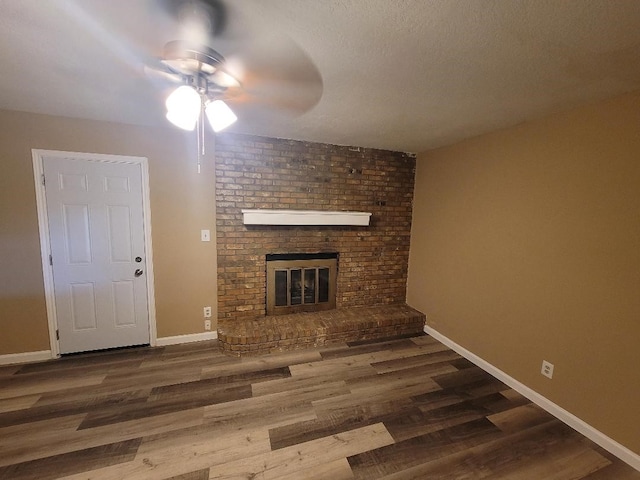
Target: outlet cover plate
point(547, 369)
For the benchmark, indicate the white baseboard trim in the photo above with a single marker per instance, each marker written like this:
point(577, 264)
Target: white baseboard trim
point(193, 337)
point(29, 357)
point(613, 447)
point(26, 357)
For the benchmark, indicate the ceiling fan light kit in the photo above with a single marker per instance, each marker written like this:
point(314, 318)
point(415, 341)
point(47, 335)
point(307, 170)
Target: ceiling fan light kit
point(184, 107)
point(200, 69)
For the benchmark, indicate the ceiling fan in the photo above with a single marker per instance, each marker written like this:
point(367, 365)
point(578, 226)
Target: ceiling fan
point(198, 69)
point(268, 72)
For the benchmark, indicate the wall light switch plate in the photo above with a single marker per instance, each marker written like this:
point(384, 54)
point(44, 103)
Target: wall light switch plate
point(205, 235)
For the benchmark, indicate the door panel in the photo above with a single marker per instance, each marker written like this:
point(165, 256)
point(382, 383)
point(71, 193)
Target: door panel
point(96, 229)
point(117, 184)
point(124, 305)
point(119, 228)
point(83, 306)
point(77, 236)
point(73, 183)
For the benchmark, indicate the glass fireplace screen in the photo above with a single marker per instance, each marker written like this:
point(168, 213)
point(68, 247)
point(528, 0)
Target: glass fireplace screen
point(300, 285)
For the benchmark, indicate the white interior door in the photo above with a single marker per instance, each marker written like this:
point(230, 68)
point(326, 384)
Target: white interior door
point(96, 230)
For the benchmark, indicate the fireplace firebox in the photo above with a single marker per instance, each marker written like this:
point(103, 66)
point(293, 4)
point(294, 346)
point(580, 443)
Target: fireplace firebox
point(301, 282)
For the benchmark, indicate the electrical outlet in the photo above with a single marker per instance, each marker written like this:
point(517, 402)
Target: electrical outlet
point(207, 312)
point(547, 369)
point(207, 324)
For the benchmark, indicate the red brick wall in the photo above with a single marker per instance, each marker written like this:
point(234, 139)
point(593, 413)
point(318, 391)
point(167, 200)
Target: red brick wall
point(259, 172)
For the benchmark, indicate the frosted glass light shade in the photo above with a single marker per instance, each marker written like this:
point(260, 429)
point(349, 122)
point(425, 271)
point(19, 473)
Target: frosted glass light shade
point(220, 115)
point(183, 107)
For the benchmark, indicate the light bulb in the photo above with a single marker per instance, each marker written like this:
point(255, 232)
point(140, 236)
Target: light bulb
point(220, 115)
point(183, 107)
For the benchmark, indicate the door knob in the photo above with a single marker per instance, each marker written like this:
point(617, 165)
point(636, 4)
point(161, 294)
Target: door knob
point(138, 272)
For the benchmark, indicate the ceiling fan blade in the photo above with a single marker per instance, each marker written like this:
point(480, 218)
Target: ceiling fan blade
point(278, 74)
point(290, 98)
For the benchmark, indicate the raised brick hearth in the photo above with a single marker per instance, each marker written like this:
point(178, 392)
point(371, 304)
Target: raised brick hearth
point(303, 330)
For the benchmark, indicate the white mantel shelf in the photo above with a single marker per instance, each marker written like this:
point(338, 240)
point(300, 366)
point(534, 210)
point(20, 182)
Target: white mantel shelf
point(304, 217)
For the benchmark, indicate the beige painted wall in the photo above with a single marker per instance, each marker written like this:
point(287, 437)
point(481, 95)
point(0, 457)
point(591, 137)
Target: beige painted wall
point(182, 203)
point(526, 246)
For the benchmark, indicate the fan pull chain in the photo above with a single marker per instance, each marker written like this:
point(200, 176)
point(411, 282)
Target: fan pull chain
point(200, 135)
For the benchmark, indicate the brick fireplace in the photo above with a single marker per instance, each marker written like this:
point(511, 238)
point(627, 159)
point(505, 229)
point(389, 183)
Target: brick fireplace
point(266, 173)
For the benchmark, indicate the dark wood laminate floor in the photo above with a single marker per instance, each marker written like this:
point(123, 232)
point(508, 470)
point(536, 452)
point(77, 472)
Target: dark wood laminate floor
point(407, 408)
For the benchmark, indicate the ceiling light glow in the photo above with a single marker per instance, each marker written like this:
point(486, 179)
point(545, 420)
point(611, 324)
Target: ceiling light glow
point(183, 107)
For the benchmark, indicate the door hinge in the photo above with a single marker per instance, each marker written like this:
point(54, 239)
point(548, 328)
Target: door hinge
point(43, 180)
point(57, 334)
point(51, 260)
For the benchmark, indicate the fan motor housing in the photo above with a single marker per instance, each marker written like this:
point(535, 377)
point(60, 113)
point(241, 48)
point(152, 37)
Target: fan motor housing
point(189, 59)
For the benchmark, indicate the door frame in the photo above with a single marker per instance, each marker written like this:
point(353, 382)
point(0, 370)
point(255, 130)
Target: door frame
point(45, 241)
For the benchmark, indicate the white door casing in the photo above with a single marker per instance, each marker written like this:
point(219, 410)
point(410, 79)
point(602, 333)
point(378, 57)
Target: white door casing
point(94, 221)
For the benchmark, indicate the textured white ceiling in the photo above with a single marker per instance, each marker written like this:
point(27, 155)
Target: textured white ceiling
point(406, 75)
